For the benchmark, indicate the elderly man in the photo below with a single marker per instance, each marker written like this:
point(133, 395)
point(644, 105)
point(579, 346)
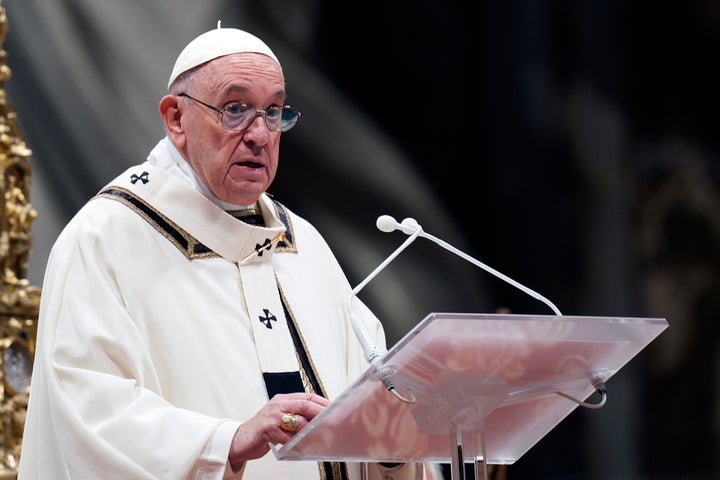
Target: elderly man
point(188, 319)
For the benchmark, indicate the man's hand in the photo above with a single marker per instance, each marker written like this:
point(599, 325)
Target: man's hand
point(253, 437)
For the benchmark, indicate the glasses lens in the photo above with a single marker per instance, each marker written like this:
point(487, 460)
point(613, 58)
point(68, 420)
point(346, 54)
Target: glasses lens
point(290, 116)
point(237, 116)
point(273, 118)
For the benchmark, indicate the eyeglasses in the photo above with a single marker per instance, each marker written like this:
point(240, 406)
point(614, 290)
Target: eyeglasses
point(239, 116)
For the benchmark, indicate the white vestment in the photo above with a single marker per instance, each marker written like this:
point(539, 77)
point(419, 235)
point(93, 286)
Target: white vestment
point(146, 362)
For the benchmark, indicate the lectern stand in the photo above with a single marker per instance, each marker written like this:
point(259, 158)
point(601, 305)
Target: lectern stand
point(480, 388)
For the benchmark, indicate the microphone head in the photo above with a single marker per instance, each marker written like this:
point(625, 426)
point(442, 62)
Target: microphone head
point(410, 223)
point(386, 223)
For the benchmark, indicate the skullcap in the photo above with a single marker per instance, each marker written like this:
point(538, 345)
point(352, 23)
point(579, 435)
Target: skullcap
point(217, 43)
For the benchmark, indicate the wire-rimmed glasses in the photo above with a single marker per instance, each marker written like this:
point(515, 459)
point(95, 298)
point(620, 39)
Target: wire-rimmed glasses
point(239, 116)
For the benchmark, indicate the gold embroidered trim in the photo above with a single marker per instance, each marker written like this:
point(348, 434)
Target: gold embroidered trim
point(186, 243)
point(303, 374)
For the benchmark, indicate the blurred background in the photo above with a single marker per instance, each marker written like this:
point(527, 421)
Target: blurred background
point(570, 145)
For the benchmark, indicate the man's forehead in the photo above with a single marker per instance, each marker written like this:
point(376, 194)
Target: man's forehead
point(240, 72)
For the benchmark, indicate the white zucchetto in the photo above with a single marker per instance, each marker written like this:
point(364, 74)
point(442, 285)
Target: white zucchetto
point(217, 43)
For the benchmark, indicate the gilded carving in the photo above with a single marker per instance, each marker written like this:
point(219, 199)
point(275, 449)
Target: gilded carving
point(19, 301)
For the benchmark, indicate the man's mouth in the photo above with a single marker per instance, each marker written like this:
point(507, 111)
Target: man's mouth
point(249, 164)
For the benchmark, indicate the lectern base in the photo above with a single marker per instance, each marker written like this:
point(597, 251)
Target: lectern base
point(457, 467)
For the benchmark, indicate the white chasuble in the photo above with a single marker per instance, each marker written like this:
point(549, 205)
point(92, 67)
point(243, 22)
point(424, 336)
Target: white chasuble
point(258, 285)
point(153, 336)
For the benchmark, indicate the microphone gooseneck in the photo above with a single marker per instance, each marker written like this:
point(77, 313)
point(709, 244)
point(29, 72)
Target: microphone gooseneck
point(480, 264)
point(371, 351)
point(387, 224)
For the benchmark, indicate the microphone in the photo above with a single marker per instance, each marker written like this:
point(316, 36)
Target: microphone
point(387, 224)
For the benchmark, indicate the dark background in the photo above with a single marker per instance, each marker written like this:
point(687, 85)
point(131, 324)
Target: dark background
point(569, 144)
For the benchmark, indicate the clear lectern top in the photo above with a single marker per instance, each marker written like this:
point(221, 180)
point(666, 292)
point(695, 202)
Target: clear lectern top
point(487, 376)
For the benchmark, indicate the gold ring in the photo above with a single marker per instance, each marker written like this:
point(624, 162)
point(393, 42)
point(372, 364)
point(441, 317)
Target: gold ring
point(289, 422)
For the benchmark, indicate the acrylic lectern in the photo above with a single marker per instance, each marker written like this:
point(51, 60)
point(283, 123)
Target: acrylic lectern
point(480, 388)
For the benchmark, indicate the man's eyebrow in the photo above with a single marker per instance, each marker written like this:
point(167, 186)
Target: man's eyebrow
point(235, 89)
point(239, 89)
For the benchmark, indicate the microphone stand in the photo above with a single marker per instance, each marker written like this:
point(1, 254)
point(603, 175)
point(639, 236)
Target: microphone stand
point(372, 355)
point(409, 226)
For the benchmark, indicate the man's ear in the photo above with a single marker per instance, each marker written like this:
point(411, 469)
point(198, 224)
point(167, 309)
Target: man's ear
point(170, 113)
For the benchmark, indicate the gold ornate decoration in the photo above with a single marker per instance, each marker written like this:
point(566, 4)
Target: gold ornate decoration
point(19, 301)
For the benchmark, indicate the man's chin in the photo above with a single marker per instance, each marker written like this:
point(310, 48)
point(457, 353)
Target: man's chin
point(245, 195)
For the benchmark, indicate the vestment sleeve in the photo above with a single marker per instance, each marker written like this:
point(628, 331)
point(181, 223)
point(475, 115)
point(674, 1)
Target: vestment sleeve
point(95, 387)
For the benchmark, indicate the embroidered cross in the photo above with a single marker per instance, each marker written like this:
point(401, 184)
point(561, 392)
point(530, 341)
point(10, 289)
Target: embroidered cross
point(267, 318)
point(260, 248)
point(143, 177)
